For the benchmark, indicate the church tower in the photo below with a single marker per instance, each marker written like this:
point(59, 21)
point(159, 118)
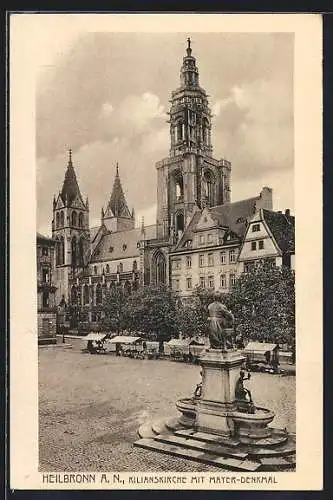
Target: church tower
point(70, 230)
point(190, 178)
point(117, 216)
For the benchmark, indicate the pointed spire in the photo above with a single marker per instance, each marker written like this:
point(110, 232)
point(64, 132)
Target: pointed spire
point(70, 189)
point(102, 213)
point(117, 206)
point(87, 203)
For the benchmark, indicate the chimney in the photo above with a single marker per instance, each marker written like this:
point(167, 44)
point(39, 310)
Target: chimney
point(287, 212)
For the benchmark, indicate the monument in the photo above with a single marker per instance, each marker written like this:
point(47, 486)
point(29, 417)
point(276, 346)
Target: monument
point(220, 424)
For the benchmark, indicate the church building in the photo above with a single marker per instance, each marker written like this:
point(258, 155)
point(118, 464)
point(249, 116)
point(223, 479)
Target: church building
point(198, 233)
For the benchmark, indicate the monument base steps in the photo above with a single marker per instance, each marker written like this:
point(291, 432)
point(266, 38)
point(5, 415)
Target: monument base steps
point(277, 454)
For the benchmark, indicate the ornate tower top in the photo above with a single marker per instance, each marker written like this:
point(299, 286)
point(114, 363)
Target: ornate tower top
point(189, 75)
point(70, 189)
point(190, 115)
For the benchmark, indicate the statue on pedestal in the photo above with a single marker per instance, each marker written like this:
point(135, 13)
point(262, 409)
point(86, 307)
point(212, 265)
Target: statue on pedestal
point(221, 322)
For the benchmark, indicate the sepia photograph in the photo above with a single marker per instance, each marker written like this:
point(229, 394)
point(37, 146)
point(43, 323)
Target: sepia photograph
point(166, 329)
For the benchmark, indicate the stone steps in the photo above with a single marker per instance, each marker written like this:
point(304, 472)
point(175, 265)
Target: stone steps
point(207, 437)
point(198, 455)
point(195, 444)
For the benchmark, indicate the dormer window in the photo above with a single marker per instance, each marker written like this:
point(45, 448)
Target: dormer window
point(110, 249)
point(124, 247)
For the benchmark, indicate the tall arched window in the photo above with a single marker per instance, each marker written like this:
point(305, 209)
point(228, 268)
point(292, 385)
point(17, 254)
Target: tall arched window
point(107, 269)
point(209, 188)
point(179, 186)
point(57, 219)
point(179, 131)
point(205, 131)
point(74, 218)
point(57, 249)
point(61, 219)
point(80, 219)
point(85, 294)
point(74, 252)
point(159, 268)
point(81, 252)
point(99, 295)
point(73, 295)
point(135, 265)
point(179, 222)
point(60, 252)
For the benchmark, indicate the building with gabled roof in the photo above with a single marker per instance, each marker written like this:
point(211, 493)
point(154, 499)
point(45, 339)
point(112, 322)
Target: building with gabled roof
point(271, 236)
point(200, 237)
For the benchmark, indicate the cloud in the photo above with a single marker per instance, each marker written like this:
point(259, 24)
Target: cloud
point(254, 128)
point(106, 96)
point(139, 113)
point(106, 110)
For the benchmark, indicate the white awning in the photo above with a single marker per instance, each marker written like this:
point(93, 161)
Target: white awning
point(260, 346)
point(179, 342)
point(124, 339)
point(95, 336)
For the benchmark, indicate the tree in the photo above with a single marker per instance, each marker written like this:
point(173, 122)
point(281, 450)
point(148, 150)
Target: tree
point(152, 310)
point(115, 309)
point(263, 303)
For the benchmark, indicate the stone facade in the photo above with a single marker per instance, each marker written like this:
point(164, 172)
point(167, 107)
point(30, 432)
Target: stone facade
point(46, 302)
point(198, 238)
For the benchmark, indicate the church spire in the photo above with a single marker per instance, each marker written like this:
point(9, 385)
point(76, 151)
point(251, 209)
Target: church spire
point(117, 206)
point(189, 74)
point(70, 189)
point(190, 115)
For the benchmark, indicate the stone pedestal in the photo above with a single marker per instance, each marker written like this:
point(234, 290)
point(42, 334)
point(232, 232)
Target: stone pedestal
point(220, 372)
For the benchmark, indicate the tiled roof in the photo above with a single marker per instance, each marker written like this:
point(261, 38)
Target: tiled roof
point(235, 215)
point(121, 244)
point(40, 236)
point(282, 226)
point(189, 231)
point(93, 233)
point(150, 232)
point(117, 206)
point(70, 189)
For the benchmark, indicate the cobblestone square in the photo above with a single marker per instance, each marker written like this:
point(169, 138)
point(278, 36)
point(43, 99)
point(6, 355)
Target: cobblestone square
point(90, 408)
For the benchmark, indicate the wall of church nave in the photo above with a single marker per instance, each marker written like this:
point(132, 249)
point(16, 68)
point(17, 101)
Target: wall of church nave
point(114, 266)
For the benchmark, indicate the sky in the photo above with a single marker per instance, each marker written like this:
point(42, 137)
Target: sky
point(106, 95)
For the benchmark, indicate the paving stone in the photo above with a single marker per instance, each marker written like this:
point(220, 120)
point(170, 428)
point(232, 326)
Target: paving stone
point(105, 399)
